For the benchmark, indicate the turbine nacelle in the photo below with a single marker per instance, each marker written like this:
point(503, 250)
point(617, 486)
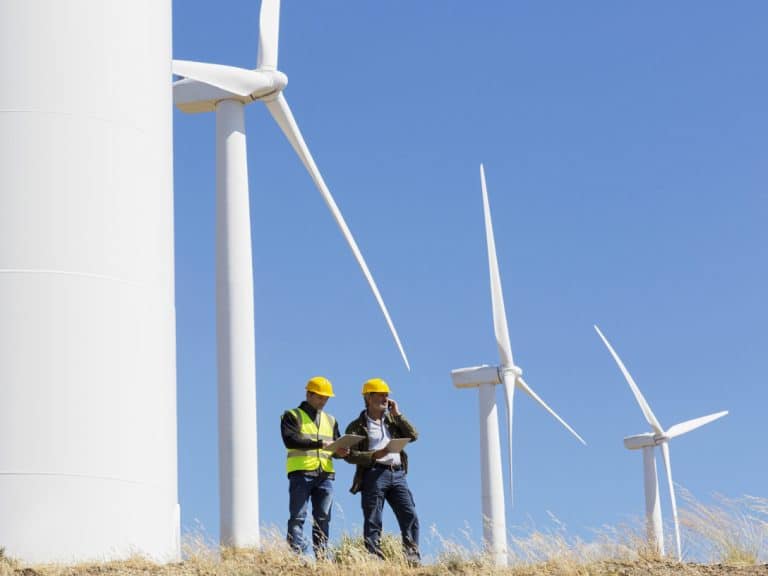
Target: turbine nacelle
point(205, 85)
point(647, 440)
point(476, 376)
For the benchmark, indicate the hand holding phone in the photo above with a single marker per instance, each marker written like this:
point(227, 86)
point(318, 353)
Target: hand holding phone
point(393, 408)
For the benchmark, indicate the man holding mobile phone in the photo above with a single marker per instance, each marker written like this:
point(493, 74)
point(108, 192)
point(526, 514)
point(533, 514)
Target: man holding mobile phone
point(381, 472)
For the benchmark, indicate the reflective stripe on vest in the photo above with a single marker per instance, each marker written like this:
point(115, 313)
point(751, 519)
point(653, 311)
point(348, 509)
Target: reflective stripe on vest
point(315, 458)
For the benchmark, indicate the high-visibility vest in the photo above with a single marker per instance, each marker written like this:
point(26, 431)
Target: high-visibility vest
point(316, 457)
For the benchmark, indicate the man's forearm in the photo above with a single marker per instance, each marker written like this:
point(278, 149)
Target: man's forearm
point(293, 440)
point(406, 429)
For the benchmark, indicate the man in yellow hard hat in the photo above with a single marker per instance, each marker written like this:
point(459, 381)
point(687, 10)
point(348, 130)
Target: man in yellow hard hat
point(380, 474)
point(306, 431)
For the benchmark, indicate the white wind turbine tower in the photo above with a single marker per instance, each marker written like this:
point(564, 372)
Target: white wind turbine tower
point(88, 445)
point(226, 90)
point(647, 442)
point(485, 378)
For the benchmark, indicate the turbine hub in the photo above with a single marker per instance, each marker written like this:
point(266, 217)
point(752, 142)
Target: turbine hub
point(279, 82)
point(516, 371)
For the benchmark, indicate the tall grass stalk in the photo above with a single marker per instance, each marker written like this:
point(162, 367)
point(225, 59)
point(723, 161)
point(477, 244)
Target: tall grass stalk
point(732, 530)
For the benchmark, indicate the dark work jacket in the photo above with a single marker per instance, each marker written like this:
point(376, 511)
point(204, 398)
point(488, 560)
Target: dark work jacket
point(290, 430)
point(398, 427)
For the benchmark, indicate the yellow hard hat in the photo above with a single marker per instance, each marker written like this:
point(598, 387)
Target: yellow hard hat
point(375, 385)
point(320, 386)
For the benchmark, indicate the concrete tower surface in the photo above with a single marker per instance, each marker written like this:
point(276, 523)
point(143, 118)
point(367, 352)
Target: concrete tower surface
point(87, 320)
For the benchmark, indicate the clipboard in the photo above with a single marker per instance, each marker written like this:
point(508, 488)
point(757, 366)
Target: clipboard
point(397, 444)
point(345, 441)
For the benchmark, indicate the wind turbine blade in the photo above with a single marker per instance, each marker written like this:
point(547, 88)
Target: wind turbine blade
point(509, 396)
point(672, 499)
point(497, 296)
point(281, 112)
point(269, 31)
point(230, 78)
point(647, 412)
point(689, 425)
point(527, 389)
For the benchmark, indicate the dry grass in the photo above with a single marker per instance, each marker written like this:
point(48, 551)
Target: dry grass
point(732, 530)
point(731, 535)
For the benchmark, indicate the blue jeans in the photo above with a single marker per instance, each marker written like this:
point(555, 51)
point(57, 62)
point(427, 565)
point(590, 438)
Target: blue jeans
point(302, 489)
point(390, 485)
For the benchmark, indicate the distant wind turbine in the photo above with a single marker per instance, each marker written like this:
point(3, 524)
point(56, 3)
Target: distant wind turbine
point(647, 442)
point(226, 90)
point(486, 378)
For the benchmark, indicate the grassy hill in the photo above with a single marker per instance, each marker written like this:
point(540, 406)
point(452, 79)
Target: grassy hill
point(729, 537)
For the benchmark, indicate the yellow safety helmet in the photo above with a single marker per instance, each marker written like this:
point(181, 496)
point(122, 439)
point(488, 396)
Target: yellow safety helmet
point(375, 385)
point(320, 386)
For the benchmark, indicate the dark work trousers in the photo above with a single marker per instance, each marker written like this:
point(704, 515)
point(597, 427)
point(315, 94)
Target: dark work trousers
point(302, 489)
point(380, 484)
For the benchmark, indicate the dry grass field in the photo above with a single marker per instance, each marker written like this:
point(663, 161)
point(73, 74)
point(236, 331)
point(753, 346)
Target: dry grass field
point(729, 537)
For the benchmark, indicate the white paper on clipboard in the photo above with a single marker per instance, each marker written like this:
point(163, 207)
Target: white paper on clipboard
point(397, 444)
point(346, 441)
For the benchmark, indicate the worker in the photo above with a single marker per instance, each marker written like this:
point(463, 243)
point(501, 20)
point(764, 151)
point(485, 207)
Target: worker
point(380, 474)
point(306, 431)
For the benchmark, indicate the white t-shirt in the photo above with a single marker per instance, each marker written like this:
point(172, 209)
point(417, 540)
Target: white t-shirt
point(378, 438)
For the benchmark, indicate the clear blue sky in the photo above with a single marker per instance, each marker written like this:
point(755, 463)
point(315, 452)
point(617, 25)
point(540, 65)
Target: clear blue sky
point(626, 150)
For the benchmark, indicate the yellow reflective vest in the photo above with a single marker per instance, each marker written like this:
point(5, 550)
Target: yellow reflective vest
point(316, 457)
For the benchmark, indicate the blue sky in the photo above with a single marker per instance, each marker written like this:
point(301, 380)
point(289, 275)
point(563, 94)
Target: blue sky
point(626, 152)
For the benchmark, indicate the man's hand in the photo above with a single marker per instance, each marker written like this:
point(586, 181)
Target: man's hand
point(379, 454)
point(341, 452)
point(394, 409)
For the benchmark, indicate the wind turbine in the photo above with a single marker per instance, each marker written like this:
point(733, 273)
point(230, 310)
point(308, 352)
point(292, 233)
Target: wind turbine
point(485, 378)
point(227, 90)
point(647, 442)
